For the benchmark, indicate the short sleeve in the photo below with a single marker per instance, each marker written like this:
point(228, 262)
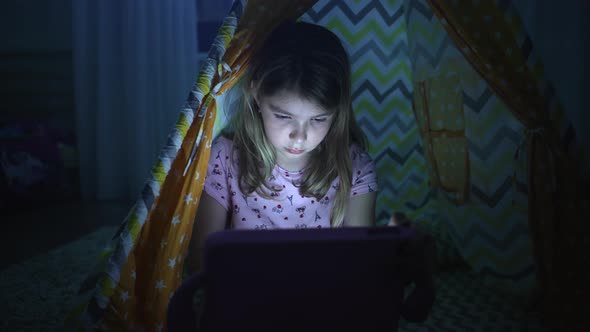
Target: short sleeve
point(216, 183)
point(364, 176)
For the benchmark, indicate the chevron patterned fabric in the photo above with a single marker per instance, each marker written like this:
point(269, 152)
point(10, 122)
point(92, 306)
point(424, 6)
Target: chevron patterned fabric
point(391, 45)
point(374, 33)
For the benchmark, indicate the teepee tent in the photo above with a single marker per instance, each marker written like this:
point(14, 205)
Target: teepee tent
point(465, 136)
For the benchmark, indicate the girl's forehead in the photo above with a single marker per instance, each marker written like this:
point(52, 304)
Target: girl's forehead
point(293, 104)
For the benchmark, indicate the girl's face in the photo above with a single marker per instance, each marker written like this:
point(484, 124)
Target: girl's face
point(294, 126)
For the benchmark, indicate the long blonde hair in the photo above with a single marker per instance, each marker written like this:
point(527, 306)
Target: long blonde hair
point(308, 60)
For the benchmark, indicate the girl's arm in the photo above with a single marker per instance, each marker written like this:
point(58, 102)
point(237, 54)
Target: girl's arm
point(211, 217)
point(361, 211)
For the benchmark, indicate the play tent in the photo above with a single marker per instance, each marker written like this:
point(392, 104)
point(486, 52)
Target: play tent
point(467, 137)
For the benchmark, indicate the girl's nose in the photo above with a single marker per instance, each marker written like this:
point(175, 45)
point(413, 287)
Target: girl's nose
point(299, 133)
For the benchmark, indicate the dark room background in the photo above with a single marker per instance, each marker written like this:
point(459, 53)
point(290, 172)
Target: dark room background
point(42, 204)
point(41, 184)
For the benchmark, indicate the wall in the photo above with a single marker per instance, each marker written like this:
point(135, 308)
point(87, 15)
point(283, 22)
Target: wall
point(35, 61)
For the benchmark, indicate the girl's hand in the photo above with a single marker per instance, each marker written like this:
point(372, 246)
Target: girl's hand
point(399, 219)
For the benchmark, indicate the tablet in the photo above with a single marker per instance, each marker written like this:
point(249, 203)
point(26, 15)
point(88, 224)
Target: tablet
point(337, 279)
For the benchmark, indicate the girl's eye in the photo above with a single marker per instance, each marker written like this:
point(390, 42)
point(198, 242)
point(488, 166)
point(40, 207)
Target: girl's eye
point(320, 119)
point(282, 117)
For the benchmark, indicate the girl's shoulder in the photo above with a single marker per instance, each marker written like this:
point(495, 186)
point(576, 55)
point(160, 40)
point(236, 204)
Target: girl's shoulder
point(222, 149)
point(222, 143)
point(359, 155)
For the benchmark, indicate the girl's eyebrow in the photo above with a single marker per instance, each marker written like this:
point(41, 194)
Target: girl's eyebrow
point(278, 109)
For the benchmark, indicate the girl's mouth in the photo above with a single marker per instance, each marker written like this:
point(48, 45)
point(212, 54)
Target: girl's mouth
point(294, 151)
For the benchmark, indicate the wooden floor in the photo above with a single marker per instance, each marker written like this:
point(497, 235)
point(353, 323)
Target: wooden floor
point(28, 233)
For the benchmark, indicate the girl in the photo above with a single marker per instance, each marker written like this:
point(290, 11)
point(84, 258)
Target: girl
point(295, 157)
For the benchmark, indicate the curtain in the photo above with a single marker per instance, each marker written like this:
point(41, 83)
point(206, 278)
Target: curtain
point(490, 36)
point(134, 64)
point(145, 265)
point(560, 37)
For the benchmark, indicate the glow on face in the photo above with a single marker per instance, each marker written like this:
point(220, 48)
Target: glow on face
point(294, 126)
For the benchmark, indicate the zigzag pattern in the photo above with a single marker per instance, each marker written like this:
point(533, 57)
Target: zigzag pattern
point(384, 56)
point(422, 8)
point(476, 103)
point(367, 86)
point(353, 13)
point(509, 235)
point(398, 158)
point(376, 130)
point(490, 146)
point(374, 33)
point(491, 230)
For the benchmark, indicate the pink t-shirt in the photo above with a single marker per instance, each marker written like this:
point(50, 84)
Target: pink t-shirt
point(287, 209)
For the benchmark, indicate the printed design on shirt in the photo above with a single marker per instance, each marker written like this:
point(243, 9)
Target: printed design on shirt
point(216, 170)
point(218, 186)
point(245, 197)
point(270, 221)
point(371, 189)
point(257, 212)
point(358, 178)
point(216, 167)
point(300, 226)
point(317, 216)
point(301, 211)
point(264, 226)
point(290, 198)
point(325, 201)
point(278, 209)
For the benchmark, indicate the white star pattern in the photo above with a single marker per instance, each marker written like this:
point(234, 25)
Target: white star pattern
point(124, 296)
point(171, 262)
point(208, 145)
point(160, 284)
point(175, 220)
point(188, 198)
point(179, 258)
point(198, 176)
point(133, 275)
point(163, 243)
point(181, 238)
